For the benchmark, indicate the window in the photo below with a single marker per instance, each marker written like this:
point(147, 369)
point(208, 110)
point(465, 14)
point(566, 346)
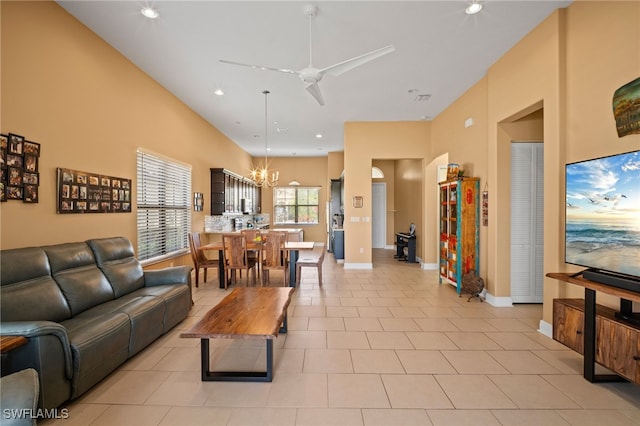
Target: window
point(164, 214)
point(296, 205)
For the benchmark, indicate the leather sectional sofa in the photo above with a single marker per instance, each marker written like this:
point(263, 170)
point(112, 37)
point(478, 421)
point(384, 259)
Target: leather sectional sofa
point(85, 307)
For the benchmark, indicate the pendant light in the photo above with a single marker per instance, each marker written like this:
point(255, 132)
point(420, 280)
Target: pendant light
point(261, 175)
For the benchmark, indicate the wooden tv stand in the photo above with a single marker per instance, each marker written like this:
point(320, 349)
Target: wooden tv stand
point(609, 341)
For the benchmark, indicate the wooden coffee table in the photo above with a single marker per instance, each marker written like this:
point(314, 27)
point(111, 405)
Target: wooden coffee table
point(246, 313)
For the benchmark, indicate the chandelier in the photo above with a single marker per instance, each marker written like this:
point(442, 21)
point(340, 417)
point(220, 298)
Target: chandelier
point(261, 175)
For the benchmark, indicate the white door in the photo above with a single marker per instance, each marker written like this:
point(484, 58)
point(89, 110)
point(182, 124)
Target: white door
point(378, 215)
point(527, 226)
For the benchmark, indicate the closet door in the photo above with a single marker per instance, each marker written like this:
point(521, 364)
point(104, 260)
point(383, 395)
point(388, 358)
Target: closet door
point(527, 226)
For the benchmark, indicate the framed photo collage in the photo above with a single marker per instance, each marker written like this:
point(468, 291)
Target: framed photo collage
point(84, 192)
point(19, 175)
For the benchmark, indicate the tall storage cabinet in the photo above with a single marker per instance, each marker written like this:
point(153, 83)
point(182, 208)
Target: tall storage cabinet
point(459, 229)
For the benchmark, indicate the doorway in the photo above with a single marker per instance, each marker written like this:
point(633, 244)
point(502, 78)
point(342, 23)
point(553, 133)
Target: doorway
point(378, 215)
point(527, 221)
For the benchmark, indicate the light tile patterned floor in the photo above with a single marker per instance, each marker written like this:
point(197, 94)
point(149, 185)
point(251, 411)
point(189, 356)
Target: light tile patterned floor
point(388, 346)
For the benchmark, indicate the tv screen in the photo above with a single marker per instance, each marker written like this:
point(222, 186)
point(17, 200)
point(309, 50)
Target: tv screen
point(603, 213)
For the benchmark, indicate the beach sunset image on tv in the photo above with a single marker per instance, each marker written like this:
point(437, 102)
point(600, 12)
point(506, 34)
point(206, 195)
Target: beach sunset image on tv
point(603, 213)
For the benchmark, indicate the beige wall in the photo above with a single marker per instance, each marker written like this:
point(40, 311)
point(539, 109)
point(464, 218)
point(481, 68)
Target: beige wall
point(364, 142)
point(452, 142)
point(409, 179)
point(603, 53)
point(335, 164)
point(555, 85)
point(90, 108)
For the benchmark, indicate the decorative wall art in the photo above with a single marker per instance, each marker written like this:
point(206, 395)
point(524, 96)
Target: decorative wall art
point(626, 108)
point(19, 176)
point(485, 208)
point(84, 192)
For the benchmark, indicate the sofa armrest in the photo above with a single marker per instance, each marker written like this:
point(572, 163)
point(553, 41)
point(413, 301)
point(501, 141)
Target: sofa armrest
point(35, 329)
point(171, 275)
point(19, 399)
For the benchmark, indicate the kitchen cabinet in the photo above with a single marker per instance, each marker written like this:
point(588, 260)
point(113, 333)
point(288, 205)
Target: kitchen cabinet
point(228, 190)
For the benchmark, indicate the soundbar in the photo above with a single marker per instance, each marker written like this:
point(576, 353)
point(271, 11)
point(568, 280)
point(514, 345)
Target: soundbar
point(626, 282)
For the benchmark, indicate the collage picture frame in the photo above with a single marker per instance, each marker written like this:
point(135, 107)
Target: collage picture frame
point(19, 168)
point(85, 192)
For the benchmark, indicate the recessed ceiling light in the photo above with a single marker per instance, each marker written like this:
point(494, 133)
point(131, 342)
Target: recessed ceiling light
point(319, 135)
point(218, 92)
point(150, 12)
point(473, 8)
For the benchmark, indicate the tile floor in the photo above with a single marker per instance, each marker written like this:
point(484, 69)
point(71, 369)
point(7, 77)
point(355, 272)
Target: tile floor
point(388, 346)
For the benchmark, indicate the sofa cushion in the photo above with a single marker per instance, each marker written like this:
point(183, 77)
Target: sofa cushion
point(99, 344)
point(115, 257)
point(27, 290)
point(177, 299)
point(145, 313)
point(74, 268)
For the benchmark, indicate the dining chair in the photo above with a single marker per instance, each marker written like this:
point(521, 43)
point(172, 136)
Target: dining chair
point(200, 260)
point(312, 259)
point(236, 257)
point(274, 256)
point(251, 235)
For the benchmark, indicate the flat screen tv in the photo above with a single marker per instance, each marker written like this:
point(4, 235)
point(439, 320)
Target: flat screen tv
point(603, 219)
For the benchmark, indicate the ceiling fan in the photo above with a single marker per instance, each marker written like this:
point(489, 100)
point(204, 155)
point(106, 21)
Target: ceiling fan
point(311, 75)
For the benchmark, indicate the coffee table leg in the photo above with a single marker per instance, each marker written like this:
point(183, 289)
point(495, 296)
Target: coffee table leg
point(204, 359)
point(283, 327)
point(235, 376)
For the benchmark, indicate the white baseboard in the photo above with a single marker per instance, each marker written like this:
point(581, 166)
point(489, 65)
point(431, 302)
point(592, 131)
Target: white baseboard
point(390, 247)
point(358, 265)
point(546, 329)
point(500, 302)
point(430, 266)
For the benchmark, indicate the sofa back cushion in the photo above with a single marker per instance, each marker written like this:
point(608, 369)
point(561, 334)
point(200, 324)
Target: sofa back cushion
point(74, 268)
point(27, 289)
point(115, 256)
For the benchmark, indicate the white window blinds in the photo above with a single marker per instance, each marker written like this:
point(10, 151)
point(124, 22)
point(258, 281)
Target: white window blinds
point(164, 213)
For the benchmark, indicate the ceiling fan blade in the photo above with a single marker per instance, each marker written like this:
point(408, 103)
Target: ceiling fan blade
point(260, 67)
point(350, 64)
point(314, 89)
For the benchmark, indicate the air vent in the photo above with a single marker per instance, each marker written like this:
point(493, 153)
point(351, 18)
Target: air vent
point(422, 98)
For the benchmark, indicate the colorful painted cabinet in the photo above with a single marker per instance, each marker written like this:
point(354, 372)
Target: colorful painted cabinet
point(459, 229)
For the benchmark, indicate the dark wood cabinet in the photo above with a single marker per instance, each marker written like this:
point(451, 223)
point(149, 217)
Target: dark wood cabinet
point(568, 323)
point(229, 189)
point(617, 344)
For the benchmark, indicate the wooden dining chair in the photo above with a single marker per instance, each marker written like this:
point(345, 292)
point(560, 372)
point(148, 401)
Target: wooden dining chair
point(200, 260)
point(312, 259)
point(274, 256)
point(250, 235)
point(236, 257)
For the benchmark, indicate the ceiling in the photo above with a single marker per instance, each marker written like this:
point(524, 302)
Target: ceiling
point(439, 51)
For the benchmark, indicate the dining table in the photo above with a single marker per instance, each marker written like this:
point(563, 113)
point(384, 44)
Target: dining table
point(292, 247)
